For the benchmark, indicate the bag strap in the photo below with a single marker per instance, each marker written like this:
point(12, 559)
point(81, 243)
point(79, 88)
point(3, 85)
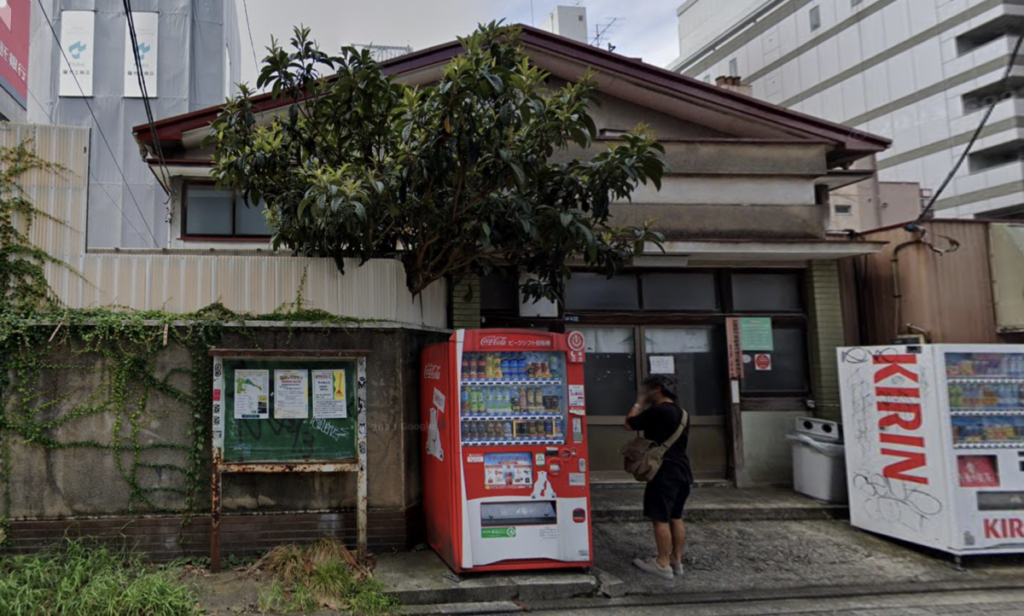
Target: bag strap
point(683, 420)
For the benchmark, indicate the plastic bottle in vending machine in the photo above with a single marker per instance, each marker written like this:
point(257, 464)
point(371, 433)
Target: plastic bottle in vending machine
point(524, 404)
point(506, 369)
point(464, 400)
point(465, 366)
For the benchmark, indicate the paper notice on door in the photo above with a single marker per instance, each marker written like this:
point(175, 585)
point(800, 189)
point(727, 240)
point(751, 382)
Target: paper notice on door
point(663, 364)
point(329, 401)
point(252, 392)
point(291, 394)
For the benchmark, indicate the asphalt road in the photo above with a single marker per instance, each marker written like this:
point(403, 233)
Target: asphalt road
point(965, 603)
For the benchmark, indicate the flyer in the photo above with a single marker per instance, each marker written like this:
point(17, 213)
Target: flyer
point(291, 395)
point(329, 394)
point(252, 391)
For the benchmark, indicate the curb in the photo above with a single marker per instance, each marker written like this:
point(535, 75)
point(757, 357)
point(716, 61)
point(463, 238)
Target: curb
point(815, 592)
point(499, 590)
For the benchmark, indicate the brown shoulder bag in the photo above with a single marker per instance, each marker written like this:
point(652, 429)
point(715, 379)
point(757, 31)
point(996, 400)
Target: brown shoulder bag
point(643, 457)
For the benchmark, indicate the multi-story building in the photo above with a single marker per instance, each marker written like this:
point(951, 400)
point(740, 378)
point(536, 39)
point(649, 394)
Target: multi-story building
point(921, 72)
point(84, 74)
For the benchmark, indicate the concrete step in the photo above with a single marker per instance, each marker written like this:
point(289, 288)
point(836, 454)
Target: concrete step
point(463, 609)
point(422, 578)
point(622, 503)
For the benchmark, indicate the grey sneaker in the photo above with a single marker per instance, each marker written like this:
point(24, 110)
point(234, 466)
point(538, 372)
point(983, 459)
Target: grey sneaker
point(677, 568)
point(652, 567)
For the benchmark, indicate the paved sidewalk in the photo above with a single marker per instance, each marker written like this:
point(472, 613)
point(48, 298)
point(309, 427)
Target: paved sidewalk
point(624, 503)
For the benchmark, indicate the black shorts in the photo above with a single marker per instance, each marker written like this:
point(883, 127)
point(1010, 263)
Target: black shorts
point(666, 494)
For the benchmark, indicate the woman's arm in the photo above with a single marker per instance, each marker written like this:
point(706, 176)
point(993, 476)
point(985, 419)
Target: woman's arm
point(634, 410)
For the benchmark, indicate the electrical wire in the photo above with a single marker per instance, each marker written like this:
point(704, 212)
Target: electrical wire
point(99, 128)
point(256, 62)
point(157, 147)
point(974, 137)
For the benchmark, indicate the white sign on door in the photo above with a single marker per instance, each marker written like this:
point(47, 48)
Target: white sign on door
point(77, 31)
point(147, 26)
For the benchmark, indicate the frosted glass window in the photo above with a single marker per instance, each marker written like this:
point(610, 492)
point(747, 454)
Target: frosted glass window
point(251, 220)
point(209, 211)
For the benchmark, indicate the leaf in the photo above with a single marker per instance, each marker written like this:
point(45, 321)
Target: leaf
point(448, 125)
point(566, 218)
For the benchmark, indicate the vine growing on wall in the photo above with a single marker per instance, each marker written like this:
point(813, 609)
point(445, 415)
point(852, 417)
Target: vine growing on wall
point(60, 367)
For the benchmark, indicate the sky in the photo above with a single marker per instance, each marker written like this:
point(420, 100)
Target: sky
point(647, 30)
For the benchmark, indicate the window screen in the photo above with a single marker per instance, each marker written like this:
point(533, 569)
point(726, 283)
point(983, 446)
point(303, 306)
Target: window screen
point(209, 211)
point(771, 292)
point(682, 292)
point(788, 366)
point(596, 292)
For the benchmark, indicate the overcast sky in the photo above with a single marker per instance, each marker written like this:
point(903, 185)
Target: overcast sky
point(644, 29)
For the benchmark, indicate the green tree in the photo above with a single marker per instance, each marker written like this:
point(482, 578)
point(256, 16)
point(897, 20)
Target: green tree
point(456, 179)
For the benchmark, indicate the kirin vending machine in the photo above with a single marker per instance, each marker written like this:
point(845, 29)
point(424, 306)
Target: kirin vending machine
point(935, 444)
point(505, 451)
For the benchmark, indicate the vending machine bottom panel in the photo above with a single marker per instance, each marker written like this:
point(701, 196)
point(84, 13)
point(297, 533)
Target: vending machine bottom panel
point(553, 530)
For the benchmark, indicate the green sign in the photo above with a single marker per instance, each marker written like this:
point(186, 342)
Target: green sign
point(756, 334)
point(498, 532)
point(289, 410)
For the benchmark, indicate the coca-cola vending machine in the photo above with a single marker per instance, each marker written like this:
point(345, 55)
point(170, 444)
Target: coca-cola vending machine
point(505, 450)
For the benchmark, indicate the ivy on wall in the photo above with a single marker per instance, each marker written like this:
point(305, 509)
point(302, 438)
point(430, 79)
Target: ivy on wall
point(114, 355)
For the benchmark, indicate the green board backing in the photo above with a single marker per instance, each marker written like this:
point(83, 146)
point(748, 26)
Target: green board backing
point(289, 440)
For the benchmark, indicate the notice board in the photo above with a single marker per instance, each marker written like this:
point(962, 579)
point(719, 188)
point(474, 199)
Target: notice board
point(287, 409)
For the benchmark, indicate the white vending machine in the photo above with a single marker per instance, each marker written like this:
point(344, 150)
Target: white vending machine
point(935, 444)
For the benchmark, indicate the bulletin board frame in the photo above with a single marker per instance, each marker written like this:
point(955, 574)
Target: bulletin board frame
point(227, 464)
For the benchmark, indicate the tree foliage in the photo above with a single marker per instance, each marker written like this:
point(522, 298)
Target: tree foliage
point(469, 175)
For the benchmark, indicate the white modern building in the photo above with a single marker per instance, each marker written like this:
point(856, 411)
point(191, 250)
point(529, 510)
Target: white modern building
point(920, 72)
point(83, 73)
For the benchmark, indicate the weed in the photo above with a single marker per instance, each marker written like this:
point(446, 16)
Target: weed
point(324, 574)
point(75, 578)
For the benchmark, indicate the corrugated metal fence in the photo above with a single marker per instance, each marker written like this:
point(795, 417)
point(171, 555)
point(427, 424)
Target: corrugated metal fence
point(176, 282)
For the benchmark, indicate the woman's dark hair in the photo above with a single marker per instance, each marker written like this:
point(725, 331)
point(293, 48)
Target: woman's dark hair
point(664, 383)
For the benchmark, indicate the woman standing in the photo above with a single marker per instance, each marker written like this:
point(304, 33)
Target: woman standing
point(657, 414)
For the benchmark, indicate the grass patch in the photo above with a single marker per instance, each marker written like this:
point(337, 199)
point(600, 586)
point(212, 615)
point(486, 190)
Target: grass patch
point(76, 579)
point(324, 574)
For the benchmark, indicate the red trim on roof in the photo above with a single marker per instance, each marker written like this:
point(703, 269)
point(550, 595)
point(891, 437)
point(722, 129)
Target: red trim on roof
point(171, 129)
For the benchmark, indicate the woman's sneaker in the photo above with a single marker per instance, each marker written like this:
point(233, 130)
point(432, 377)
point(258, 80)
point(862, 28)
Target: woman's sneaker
point(677, 568)
point(650, 566)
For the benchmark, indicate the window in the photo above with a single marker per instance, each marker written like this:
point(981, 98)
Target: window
point(499, 294)
point(212, 212)
point(734, 68)
point(843, 210)
point(815, 15)
point(854, 2)
point(596, 292)
point(610, 370)
point(771, 292)
point(681, 292)
point(788, 371)
point(707, 78)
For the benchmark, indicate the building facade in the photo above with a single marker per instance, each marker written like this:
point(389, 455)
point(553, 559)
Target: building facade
point(920, 73)
point(84, 74)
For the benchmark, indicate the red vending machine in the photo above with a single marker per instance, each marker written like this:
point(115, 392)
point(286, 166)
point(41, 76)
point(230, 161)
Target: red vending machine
point(505, 451)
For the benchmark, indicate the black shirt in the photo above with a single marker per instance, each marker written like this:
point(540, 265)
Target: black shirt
point(659, 423)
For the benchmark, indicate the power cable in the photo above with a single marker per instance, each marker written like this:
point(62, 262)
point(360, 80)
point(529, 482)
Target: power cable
point(245, 6)
point(144, 90)
point(99, 128)
point(974, 137)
